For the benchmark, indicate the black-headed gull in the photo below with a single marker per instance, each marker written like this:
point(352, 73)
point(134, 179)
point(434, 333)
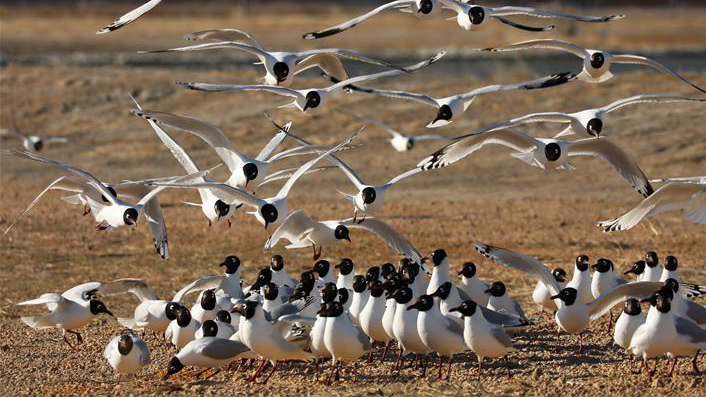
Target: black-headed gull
point(127, 353)
point(544, 153)
point(541, 294)
point(500, 301)
point(573, 315)
point(280, 67)
point(604, 278)
point(216, 327)
point(653, 271)
point(482, 337)
point(264, 336)
point(627, 323)
point(279, 274)
point(672, 196)
point(205, 308)
point(359, 298)
point(342, 339)
point(472, 285)
point(116, 212)
point(245, 170)
point(311, 99)
point(670, 270)
point(451, 107)
point(207, 352)
point(589, 121)
point(476, 17)
point(638, 269)
point(438, 333)
point(346, 272)
point(581, 278)
point(129, 17)
point(322, 269)
point(303, 231)
point(272, 210)
point(34, 143)
point(69, 311)
point(182, 329)
point(399, 141)
point(596, 63)
point(682, 306)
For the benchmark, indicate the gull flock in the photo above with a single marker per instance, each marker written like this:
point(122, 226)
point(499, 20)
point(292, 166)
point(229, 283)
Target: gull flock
point(415, 306)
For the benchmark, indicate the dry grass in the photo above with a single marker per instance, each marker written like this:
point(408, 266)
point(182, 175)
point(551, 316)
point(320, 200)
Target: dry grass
point(488, 198)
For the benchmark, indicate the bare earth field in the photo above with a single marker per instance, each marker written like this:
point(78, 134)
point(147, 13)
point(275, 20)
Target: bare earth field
point(487, 198)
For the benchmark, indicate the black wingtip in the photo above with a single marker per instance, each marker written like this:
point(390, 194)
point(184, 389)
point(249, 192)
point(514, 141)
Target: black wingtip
point(523, 27)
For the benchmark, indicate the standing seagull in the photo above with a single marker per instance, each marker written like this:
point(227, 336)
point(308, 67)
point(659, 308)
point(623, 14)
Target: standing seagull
point(541, 294)
point(476, 17)
point(589, 121)
point(359, 299)
point(127, 353)
point(501, 302)
point(670, 268)
point(182, 329)
point(544, 153)
point(472, 284)
point(596, 63)
point(208, 352)
point(280, 67)
point(629, 320)
point(342, 339)
point(653, 271)
point(484, 338)
point(672, 196)
point(69, 311)
point(451, 107)
point(279, 274)
point(604, 278)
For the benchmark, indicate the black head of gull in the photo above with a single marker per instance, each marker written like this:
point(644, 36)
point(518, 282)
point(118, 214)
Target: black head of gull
point(671, 263)
point(343, 296)
point(124, 345)
point(552, 151)
point(210, 328)
point(468, 270)
point(467, 308)
point(403, 295)
point(597, 60)
point(208, 299)
point(376, 289)
point(281, 71)
point(603, 265)
point(277, 262)
point(559, 275)
point(387, 270)
point(130, 216)
point(345, 266)
point(372, 274)
point(594, 126)
point(183, 317)
point(97, 307)
point(170, 310)
point(223, 316)
point(342, 233)
point(637, 268)
point(567, 295)
point(368, 195)
point(423, 303)
point(651, 259)
point(632, 307)
point(173, 367)
point(497, 289)
point(231, 263)
point(443, 291)
point(329, 292)
point(322, 267)
point(270, 291)
point(582, 262)
point(269, 213)
point(313, 100)
point(476, 14)
point(359, 284)
point(444, 113)
point(250, 171)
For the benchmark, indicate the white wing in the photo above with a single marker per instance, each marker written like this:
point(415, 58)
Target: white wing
point(402, 176)
point(465, 145)
point(543, 44)
point(657, 98)
point(388, 234)
point(542, 82)
point(510, 10)
point(616, 156)
point(284, 91)
point(521, 262)
point(546, 117)
point(627, 58)
point(261, 54)
point(91, 179)
point(291, 229)
point(223, 35)
point(234, 193)
point(274, 143)
point(346, 54)
point(200, 284)
point(130, 16)
point(328, 63)
point(52, 300)
point(637, 290)
point(136, 286)
point(208, 132)
point(355, 21)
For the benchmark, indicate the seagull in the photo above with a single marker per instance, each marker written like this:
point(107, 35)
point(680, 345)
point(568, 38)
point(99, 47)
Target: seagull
point(405, 326)
point(604, 278)
point(230, 285)
point(130, 17)
point(440, 270)
point(117, 213)
point(438, 333)
point(399, 141)
point(280, 67)
point(453, 106)
point(573, 315)
point(653, 271)
point(322, 268)
point(359, 299)
point(388, 317)
point(303, 231)
point(245, 170)
point(596, 63)
point(476, 17)
point(671, 196)
point(541, 294)
point(264, 336)
point(279, 275)
point(182, 330)
point(317, 333)
point(69, 311)
point(272, 210)
point(34, 143)
point(422, 9)
point(472, 285)
point(205, 308)
point(670, 268)
point(655, 336)
point(681, 305)
point(544, 153)
point(127, 353)
point(346, 272)
point(481, 336)
point(370, 318)
point(312, 99)
point(581, 279)
point(589, 121)
point(216, 328)
point(342, 339)
point(501, 302)
point(208, 352)
point(629, 320)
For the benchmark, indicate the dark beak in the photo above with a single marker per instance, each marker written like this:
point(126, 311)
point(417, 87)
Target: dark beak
point(348, 238)
point(629, 271)
point(487, 291)
point(594, 266)
point(554, 297)
point(455, 309)
point(413, 306)
point(562, 279)
point(460, 272)
point(266, 223)
point(425, 259)
point(647, 300)
point(306, 106)
point(237, 309)
point(166, 376)
point(108, 312)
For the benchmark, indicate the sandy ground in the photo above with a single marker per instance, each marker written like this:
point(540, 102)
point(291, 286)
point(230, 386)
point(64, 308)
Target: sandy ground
point(487, 198)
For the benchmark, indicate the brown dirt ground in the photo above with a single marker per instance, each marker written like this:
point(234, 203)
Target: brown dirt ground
point(488, 198)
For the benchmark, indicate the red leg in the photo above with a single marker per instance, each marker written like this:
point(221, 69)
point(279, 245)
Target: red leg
point(387, 348)
point(480, 367)
point(274, 368)
point(694, 363)
point(448, 371)
point(507, 365)
point(671, 372)
point(424, 365)
point(355, 372)
point(439, 364)
point(259, 369)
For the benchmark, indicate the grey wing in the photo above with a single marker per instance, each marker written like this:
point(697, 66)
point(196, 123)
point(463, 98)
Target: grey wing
point(689, 329)
point(521, 262)
point(207, 282)
point(273, 144)
point(153, 214)
point(695, 312)
point(223, 349)
point(637, 290)
point(518, 308)
point(504, 319)
point(289, 308)
point(464, 296)
point(388, 234)
point(502, 337)
point(453, 326)
point(364, 339)
point(144, 351)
